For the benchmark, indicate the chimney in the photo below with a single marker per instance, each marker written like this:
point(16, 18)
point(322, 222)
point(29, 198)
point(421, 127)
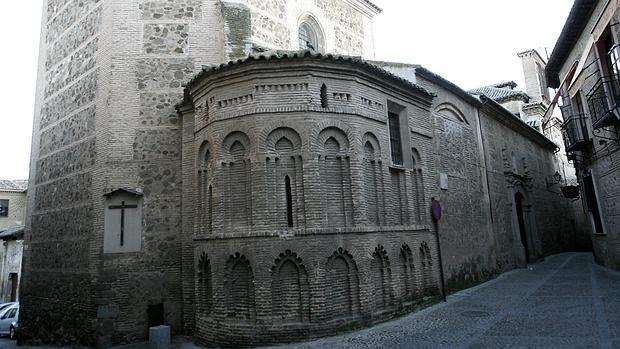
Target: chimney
point(534, 72)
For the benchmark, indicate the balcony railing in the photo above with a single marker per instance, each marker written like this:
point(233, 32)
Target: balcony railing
point(575, 132)
point(604, 101)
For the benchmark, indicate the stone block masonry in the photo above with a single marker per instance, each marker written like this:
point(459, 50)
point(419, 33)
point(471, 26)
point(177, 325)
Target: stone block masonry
point(56, 264)
point(165, 38)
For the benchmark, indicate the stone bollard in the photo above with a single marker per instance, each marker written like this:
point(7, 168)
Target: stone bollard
point(159, 337)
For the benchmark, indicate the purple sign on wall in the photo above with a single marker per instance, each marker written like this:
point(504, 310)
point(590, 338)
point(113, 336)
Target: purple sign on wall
point(436, 210)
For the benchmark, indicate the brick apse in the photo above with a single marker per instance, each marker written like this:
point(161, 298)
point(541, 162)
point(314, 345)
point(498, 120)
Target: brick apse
point(302, 221)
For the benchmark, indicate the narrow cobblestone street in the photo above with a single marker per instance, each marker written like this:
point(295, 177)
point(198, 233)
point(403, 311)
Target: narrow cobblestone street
point(566, 301)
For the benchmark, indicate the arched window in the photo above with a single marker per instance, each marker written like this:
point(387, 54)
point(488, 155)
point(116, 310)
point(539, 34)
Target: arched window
point(417, 186)
point(237, 184)
point(210, 208)
point(335, 177)
point(372, 171)
point(289, 201)
point(324, 100)
point(285, 188)
point(310, 36)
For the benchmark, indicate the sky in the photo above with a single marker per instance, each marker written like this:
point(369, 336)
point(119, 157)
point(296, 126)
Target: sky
point(470, 42)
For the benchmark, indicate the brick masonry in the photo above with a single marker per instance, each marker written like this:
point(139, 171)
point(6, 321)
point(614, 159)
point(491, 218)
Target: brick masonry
point(354, 216)
point(339, 261)
point(110, 74)
point(223, 185)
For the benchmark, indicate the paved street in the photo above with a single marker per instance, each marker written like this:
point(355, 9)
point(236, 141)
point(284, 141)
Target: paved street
point(6, 343)
point(564, 302)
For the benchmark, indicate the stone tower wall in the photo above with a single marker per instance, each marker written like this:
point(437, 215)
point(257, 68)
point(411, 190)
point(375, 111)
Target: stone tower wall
point(56, 282)
point(346, 25)
point(535, 81)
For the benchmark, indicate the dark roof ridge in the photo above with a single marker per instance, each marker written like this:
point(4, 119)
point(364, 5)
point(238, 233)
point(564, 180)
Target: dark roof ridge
point(394, 64)
point(500, 94)
point(17, 185)
point(573, 28)
point(284, 54)
point(449, 85)
point(373, 5)
point(518, 122)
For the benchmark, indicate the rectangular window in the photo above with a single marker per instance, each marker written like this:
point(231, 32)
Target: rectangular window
point(396, 145)
point(4, 208)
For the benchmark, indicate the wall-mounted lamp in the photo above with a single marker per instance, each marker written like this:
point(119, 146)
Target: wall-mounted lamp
point(557, 178)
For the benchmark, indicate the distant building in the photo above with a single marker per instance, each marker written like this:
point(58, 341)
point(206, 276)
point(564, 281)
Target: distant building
point(585, 68)
point(12, 216)
point(12, 203)
point(531, 106)
point(11, 253)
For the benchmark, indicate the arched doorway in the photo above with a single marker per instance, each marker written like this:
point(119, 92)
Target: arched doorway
point(519, 198)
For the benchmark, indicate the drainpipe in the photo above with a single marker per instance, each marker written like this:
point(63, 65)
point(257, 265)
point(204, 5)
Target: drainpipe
point(485, 174)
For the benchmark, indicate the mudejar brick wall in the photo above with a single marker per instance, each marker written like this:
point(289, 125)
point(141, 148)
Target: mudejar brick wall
point(286, 158)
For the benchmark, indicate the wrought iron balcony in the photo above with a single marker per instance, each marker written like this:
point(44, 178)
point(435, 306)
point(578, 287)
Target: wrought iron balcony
point(604, 102)
point(575, 132)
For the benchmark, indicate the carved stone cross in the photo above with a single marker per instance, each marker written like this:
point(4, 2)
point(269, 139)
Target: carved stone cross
point(122, 207)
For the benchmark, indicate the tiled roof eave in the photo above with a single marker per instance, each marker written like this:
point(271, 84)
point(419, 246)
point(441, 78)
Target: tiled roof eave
point(305, 54)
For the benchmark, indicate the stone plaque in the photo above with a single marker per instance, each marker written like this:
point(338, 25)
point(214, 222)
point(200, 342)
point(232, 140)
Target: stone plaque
point(123, 222)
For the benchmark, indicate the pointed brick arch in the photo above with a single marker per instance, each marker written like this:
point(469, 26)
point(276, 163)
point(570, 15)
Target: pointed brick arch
point(204, 183)
point(204, 286)
point(418, 196)
point(335, 176)
point(342, 285)
point(233, 142)
point(370, 141)
point(285, 183)
point(373, 179)
point(236, 185)
point(239, 288)
point(280, 134)
point(451, 112)
point(381, 274)
point(334, 135)
point(426, 261)
point(290, 290)
point(408, 284)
